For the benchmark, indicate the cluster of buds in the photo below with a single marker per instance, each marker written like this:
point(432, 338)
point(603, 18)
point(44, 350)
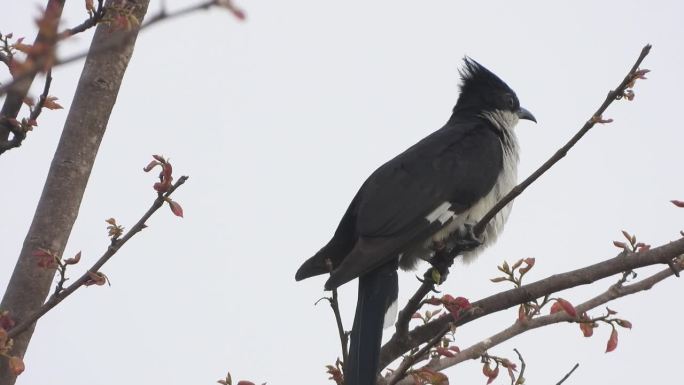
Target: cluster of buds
point(587, 326)
point(493, 372)
point(165, 181)
point(631, 244)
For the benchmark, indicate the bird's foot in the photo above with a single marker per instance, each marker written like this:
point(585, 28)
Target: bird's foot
point(441, 262)
point(465, 239)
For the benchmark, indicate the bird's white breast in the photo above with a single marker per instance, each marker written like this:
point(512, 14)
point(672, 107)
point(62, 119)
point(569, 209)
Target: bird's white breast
point(506, 180)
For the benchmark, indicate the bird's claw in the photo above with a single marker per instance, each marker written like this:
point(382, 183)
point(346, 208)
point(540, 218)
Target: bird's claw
point(466, 239)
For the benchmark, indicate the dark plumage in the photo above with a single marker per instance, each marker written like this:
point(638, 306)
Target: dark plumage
point(449, 178)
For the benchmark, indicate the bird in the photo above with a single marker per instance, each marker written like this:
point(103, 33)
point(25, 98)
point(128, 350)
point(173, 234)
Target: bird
point(442, 184)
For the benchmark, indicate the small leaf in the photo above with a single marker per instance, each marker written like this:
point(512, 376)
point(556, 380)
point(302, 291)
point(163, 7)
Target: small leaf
point(151, 165)
point(495, 374)
point(529, 262)
point(624, 323)
point(612, 341)
point(498, 279)
point(567, 306)
point(564, 305)
point(587, 328)
point(51, 104)
point(74, 260)
point(243, 382)
point(620, 245)
point(176, 208)
point(517, 264)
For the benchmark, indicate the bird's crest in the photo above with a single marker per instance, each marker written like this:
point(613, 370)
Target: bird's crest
point(474, 76)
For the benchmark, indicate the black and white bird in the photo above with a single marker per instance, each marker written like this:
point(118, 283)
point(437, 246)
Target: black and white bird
point(448, 180)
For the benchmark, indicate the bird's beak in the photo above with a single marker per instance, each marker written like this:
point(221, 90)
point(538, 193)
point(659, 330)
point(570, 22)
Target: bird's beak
point(527, 115)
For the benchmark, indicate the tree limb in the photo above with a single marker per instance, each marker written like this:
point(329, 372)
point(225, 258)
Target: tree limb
point(66, 181)
point(519, 327)
point(625, 261)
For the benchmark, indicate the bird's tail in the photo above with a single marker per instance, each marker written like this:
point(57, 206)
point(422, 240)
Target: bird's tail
point(377, 293)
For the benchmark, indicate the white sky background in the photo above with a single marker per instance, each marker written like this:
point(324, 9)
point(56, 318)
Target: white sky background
point(279, 120)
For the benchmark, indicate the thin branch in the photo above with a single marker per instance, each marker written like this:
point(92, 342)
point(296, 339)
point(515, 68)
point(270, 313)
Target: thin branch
point(92, 21)
point(560, 154)
point(478, 229)
point(613, 292)
point(19, 86)
point(344, 337)
point(115, 245)
point(569, 374)
point(19, 133)
point(523, 366)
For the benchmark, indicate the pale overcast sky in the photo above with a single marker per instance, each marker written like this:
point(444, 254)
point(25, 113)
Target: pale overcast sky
point(279, 120)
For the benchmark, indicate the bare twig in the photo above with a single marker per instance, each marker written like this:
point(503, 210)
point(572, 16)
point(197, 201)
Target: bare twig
point(92, 21)
point(344, 337)
point(115, 245)
point(401, 337)
point(18, 88)
point(560, 154)
point(523, 366)
point(569, 374)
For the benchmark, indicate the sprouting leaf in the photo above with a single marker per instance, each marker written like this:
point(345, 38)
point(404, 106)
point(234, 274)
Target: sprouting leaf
point(51, 104)
point(612, 341)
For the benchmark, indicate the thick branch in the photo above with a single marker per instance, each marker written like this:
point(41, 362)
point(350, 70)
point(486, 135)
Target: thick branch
point(66, 181)
point(111, 250)
point(614, 292)
point(625, 261)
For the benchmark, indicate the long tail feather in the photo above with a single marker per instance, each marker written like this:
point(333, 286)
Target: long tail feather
point(377, 291)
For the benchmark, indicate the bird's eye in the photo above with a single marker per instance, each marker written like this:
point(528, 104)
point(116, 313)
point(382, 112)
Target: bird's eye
point(511, 102)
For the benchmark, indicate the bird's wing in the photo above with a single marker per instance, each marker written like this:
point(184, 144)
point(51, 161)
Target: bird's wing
point(451, 169)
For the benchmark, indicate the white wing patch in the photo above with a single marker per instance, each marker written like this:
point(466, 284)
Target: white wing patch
point(441, 213)
point(390, 315)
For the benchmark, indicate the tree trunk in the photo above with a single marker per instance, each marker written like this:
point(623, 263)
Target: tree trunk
point(58, 207)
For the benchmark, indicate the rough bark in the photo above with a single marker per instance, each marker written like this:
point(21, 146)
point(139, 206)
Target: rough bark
point(67, 178)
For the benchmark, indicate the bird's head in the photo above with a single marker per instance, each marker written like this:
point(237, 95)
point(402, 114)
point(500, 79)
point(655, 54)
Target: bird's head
point(485, 94)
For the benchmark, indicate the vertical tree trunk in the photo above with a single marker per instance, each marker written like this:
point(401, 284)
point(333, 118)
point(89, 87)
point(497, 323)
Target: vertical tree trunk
point(68, 176)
